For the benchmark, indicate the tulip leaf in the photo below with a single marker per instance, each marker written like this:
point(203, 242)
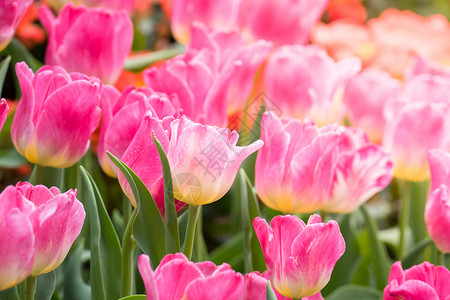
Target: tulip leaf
point(3, 70)
point(230, 252)
point(19, 52)
point(199, 252)
point(170, 211)
point(10, 294)
point(270, 294)
point(134, 297)
point(105, 246)
point(411, 258)
point(148, 216)
point(140, 62)
point(74, 286)
point(246, 223)
point(353, 291)
point(380, 257)
point(10, 159)
point(45, 285)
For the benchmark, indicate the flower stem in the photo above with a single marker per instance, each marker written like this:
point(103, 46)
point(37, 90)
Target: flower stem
point(404, 213)
point(37, 176)
point(128, 246)
point(30, 287)
point(190, 230)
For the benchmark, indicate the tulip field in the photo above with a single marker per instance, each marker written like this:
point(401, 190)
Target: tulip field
point(224, 149)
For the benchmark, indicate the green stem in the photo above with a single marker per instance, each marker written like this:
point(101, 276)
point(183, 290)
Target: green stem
point(442, 259)
point(37, 176)
point(31, 288)
point(126, 206)
point(128, 246)
point(404, 213)
point(190, 230)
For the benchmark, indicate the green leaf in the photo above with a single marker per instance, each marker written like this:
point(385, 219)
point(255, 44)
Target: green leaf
point(380, 257)
point(246, 223)
point(411, 257)
point(10, 294)
point(18, 53)
point(229, 252)
point(105, 247)
point(140, 62)
point(270, 294)
point(74, 286)
point(199, 252)
point(170, 211)
point(148, 227)
point(353, 291)
point(3, 70)
point(10, 159)
point(134, 297)
point(45, 286)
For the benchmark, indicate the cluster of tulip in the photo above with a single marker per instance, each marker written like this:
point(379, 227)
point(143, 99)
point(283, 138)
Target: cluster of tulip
point(168, 138)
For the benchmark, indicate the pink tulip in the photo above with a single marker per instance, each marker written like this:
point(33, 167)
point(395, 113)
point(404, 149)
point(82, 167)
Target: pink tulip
point(3, 111)
point(121, 117)
point(421, 282)
point(282, 22)
point(437, 211)
point(127, 5)
point(365, 97)
point(37, 228)
point(299, 257)
point(424, 66)
point(331, 168)
point(305, 82)
point(17, 241)
point(230, 49)
point(425, 98)
point(61, 217)
point(93, 41)
point(220, 15)
point(255, 288)
point(178, 278)
point(56, 115)
point(11, 12)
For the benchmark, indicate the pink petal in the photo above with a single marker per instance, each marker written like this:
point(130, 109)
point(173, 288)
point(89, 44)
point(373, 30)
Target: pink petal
point(148, 277)
point(227, 285)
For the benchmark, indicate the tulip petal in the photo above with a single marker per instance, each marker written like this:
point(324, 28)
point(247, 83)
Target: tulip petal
point(148, 277)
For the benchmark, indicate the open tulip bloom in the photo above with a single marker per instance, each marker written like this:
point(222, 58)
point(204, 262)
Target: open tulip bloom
point(157, 137)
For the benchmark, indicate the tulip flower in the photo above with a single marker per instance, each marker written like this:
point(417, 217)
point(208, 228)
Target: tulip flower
point(306, 83)
point(420, 282)
point(424, 98)
point(3, 110)
point(178, 278)
point(37, 228)
point(282, 22)
point(332, 168)
point(127, 5)
point(437, 210)
point(56, 115)
point(365, 97)
point(11, 12)
point(121, 117)
point(17, 241)
point(92, 41)
point(61, 217)
point(299, 257)
point(255, 288)
point(215, 75)
point(220, 15)
point(204, 160)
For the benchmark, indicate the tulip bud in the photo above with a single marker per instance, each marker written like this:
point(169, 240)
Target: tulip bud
point(11, 12)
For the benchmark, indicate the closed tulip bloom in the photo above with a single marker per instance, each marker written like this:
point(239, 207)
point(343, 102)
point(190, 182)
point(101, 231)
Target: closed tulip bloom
point(282, 22)
point(420, 282)
point(11, 12)
point(61, 217)
point(17, 240)
point(121, 117)
point(178, 278)
point(303, 168)
point(299, 257)
point(3, 111)
point(365, 97)
point(56, 115)
point(221, 15)
point(204, 160)
point(304, 82)
point(92, 41)
point(437, 210)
